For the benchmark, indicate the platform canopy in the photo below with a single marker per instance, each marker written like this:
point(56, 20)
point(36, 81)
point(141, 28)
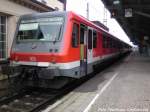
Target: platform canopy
point(133, 16)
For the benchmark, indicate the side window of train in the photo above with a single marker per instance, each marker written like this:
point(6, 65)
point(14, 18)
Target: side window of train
point(82, 31)
point(105, 41)
point(75, 35)
point(94, 39)
point(111, 43)
point(89, 39)
point(108, 42)
point(115, 44)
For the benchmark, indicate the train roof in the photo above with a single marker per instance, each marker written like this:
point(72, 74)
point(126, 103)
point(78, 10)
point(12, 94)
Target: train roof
point(53, 13)
point(65, 13)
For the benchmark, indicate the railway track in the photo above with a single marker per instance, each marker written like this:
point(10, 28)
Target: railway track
point(34, 99)
point(27, 101)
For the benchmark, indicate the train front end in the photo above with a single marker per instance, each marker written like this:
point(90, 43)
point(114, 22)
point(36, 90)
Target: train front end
point(38, 45)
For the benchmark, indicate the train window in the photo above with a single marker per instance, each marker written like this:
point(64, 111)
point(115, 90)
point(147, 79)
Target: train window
point(82, 33)
point(42, 29)
point(105, 41)
point(113, 44)
point(94, 39)
point(116, 45)
point(110, 42)
point(90, 39)
point(75, 35)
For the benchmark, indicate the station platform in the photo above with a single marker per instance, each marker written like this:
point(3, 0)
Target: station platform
point(123, 87)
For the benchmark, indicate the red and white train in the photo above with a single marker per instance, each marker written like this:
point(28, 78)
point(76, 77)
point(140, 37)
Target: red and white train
point(64, 44)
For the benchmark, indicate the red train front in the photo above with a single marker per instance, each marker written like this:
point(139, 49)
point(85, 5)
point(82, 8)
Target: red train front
point(61, 44)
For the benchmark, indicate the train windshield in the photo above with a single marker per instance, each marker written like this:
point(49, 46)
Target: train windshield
point(43, 29)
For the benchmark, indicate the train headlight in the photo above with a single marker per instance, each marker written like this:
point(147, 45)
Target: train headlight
point(16, 58)
point(53, 60)
point(32, 58)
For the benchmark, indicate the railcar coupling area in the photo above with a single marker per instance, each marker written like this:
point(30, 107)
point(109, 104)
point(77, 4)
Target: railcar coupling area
point(123, 87)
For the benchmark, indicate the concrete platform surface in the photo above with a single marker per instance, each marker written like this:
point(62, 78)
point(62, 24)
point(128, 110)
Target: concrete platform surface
point(123, 87)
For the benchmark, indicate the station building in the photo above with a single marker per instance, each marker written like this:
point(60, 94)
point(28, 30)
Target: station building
point(11, 10)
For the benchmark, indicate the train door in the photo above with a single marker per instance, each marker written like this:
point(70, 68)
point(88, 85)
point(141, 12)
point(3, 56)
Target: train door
point(90, 50)
point(83, 49)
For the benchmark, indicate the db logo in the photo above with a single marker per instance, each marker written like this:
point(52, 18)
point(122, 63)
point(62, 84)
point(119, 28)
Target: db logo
point(32, 58)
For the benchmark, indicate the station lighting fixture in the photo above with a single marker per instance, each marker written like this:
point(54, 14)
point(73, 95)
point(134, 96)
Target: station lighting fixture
point(146, 37)
point(128, 12)
point(116, 2)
